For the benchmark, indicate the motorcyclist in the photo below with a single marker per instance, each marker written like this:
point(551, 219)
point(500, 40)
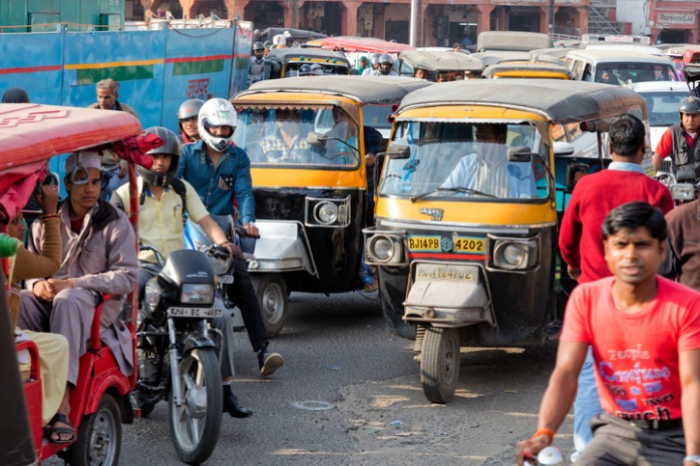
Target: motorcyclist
point(374, 65)
point(160, 193)
point(256, 64)
point(680, 141)
point(220, 173)
point(187, 120)
point(386, 65)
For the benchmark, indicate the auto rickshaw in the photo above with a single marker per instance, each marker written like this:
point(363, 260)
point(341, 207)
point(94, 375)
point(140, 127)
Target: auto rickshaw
point(437, 62)
point(285, 63)
point(467, 214)
point(30, 134)
point(311, 201)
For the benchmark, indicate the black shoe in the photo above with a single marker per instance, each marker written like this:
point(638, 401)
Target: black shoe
point(234, 408)
point(269, 362)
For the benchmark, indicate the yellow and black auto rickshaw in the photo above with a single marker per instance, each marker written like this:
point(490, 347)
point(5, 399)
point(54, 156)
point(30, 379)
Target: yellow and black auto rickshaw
point(286, 62)
point(467, 213)
point(307, 139)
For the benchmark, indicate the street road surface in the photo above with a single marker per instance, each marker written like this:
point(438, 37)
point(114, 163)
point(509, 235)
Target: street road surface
point(350, 394)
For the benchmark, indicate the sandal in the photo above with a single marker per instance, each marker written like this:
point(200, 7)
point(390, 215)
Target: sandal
point(60, 434)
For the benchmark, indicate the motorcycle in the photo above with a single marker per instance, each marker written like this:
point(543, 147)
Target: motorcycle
point(178, 352)
point(683, 185)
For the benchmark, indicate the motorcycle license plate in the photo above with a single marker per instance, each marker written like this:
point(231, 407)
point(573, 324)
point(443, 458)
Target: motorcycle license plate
point(226, 279)
point(683, 192)
point(196, 312)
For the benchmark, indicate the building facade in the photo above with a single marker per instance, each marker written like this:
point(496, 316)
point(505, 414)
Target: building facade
point(674, 22)
point(441, 22)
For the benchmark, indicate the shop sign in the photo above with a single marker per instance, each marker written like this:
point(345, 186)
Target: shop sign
point(675, 19)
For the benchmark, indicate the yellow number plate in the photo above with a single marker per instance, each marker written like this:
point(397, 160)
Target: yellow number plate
point(424, 243)
point(465, 244)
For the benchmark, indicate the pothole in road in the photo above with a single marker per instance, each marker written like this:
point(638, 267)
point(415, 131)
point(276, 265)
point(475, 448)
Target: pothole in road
point(313, 405)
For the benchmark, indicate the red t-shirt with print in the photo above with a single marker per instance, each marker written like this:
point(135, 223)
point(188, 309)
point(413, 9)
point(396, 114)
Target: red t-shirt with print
point(636, 355)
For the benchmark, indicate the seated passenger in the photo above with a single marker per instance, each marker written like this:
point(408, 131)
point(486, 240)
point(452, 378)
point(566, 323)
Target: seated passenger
point(98, 253)
point(53, 349)
point(161, 193)
point(286, 145)
point(488, 169)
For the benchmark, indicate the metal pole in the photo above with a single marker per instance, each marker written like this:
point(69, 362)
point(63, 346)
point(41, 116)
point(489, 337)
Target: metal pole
point(414, 20)
point(551, 17)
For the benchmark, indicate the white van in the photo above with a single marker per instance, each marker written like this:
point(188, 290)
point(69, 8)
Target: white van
point(619, 67)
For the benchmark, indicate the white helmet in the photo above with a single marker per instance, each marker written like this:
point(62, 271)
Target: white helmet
point(217, 112)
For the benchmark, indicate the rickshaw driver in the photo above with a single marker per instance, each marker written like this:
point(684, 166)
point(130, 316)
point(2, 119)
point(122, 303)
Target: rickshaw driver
point(98, 258)
point(680, 141)
point(488, 169)
point(157, 198)
point(286, 145)
point(345, 130)
point(220, 173)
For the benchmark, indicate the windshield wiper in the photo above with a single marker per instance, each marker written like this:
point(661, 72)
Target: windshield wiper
point(454, 190)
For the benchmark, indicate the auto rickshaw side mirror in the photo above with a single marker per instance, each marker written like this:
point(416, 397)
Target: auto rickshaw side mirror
point(563, 149)
point(398, 151)
point(316, 139)
point(519, 154)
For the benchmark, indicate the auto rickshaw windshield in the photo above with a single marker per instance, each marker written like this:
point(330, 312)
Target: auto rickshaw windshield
point(483, 161)
point(280, 136)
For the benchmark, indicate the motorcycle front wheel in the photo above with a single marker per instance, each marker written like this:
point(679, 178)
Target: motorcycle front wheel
point(195, 424)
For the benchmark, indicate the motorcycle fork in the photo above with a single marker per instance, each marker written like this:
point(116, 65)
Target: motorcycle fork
point(174, 364)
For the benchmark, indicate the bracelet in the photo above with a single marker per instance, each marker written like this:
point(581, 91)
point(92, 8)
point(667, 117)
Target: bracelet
point(48, 216)
point(548, 432)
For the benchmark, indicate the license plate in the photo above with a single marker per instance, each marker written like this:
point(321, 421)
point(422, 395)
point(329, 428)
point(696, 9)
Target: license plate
point(683, 192)
point(424, 243)
point(196, 312)
point(459, 273)
point(226, 279)
point(469, 245)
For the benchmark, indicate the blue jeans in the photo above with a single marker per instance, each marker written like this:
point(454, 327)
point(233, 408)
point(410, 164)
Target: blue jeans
point(586, 406)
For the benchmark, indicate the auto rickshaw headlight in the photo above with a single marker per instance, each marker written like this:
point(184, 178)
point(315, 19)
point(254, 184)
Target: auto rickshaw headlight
point(515, 255)
point(326, 213)
point(382, 248)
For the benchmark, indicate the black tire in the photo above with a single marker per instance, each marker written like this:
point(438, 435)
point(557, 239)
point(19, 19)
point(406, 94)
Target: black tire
point(273, 298)
point(392, 294)
point(99, 436)
point(439, 366)
point(203, 364)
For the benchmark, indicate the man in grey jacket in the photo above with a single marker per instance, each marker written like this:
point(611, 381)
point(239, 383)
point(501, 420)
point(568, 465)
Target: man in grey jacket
point(98, 258)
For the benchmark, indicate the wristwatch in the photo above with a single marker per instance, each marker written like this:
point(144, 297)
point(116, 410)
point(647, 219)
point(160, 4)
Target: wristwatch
point(692, 459)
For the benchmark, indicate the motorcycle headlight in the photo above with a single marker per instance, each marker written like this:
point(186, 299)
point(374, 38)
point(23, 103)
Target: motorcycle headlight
point(382, 248)
point(326, 212)
point(197, 294)
point(220, 265)
point(152, 294)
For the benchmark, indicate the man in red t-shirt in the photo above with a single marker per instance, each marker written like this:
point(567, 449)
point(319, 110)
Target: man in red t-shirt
point(581, 241)
point(644, 332)
point(681, 141)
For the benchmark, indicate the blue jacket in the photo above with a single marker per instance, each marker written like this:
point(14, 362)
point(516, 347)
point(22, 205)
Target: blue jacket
point(217, 187)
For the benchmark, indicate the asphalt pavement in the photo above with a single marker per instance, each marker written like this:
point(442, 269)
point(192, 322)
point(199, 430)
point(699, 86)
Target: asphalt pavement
point(349, 393)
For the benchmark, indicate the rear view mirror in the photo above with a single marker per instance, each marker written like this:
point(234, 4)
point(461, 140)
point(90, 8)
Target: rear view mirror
point(563, 149)
point(398, 151)
point(519, 154)
point(315, 139)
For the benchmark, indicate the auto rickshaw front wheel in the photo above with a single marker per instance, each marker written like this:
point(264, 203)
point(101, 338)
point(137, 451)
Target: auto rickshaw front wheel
point(99, 436)
point(273, 297)
point(439, 363)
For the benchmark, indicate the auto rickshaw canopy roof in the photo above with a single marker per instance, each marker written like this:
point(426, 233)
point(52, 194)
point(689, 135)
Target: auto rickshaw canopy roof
point(366, 89)
point(286, 54)
point(432, 60)
point(33, 132)
point(364, 44)
point(493, 58)
point(558, 100)
point(512, 41)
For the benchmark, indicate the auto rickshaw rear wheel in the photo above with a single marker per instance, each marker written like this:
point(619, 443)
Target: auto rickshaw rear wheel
point(99, 436)
point(273, 297)
point(439, 364)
